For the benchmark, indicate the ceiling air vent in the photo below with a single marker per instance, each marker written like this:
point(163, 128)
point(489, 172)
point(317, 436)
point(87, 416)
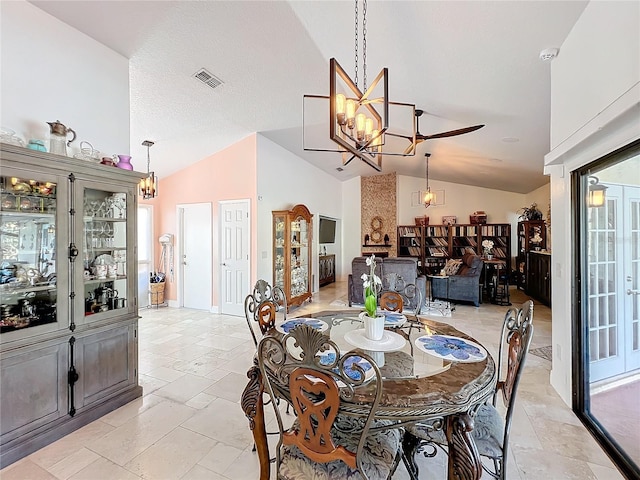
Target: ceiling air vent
point(207, 78)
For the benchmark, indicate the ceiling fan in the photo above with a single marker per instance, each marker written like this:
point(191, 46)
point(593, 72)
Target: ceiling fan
point(421, 138)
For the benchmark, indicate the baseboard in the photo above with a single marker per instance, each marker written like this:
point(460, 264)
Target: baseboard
point(214, 309)
point(174, 304)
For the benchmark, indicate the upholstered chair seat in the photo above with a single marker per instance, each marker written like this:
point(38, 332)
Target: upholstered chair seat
point(379, 455)
point(488, 432)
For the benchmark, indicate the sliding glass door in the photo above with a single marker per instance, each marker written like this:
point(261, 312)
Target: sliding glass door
point(607, 367)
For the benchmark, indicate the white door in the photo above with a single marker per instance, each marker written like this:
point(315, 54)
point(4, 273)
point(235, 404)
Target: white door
point(614, 270)
point(194, 255)
point(631, 284)
point(145, 253)
point(234, 256)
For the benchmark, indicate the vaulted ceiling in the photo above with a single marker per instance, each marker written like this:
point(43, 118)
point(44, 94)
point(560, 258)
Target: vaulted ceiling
point(464, 63)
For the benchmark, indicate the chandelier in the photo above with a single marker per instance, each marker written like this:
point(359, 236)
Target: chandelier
point(428, 197)
point(359, 118)
point(148, 186)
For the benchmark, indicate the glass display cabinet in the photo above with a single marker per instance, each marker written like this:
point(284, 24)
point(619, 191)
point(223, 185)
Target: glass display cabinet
point(28, 251)
point(292, 241)
point(532, 236)
point(68, 295)
point(104, 263)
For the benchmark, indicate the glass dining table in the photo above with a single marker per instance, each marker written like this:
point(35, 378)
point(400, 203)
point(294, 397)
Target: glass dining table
point(422, 382)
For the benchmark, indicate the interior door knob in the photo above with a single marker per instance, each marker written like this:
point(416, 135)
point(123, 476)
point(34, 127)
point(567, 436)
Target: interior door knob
point(633, 292)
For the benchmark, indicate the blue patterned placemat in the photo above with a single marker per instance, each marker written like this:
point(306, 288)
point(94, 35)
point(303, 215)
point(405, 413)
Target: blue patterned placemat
point(451, 348)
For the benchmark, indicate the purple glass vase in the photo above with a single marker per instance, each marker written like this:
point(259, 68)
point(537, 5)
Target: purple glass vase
point(124, 162)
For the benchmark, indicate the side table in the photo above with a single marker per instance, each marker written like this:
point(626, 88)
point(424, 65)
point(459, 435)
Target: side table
point(442, 306)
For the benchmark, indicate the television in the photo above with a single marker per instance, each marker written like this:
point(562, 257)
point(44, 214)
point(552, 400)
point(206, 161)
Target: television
point(327, 230)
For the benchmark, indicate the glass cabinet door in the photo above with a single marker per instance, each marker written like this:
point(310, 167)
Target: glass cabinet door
point(29, 257)
point(279, 250)
point(299, 257)
point(103, 250)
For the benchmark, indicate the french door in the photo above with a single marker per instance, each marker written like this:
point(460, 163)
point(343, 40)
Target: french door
point(614, 268)
point(606, 365)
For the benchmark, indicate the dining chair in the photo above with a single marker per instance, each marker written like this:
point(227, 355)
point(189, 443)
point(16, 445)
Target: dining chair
point(262, 305)
point(409, 292)
point(307, 369)
point(391, 302)
point(491, 428)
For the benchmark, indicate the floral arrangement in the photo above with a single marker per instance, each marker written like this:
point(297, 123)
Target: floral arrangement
point(372, 285)
point(536, 238)
point(487, 245)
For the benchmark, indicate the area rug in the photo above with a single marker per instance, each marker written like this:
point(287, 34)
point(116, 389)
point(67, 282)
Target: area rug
point(436, 308)
point(542, 352)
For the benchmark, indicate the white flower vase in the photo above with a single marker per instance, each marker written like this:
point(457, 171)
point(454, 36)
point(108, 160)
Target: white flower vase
point(373, 327)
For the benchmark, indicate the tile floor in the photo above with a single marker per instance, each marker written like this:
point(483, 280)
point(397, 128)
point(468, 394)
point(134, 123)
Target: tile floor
point(189, 424)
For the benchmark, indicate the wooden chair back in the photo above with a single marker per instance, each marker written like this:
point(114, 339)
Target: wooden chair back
point(274, 301)
point(409, 292)
point(515, 340)
point(391, 301)
point(316, 400)
point(317, 381)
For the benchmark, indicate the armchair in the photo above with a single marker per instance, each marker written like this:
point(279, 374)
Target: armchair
point(464, 286)
point(387, 269)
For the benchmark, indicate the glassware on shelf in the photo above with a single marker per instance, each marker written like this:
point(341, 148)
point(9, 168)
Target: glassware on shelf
point(28, 260)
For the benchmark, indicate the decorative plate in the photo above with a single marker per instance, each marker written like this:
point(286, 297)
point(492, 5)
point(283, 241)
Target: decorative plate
point(394, 319)
point(289, 325)
point(329, 357)
point(451, 348)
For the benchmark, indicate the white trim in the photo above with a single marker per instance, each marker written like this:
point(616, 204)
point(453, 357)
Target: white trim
point(592, 134)
point(214, 309)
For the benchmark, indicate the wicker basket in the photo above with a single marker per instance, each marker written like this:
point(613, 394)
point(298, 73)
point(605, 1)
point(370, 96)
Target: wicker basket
point(157, 293)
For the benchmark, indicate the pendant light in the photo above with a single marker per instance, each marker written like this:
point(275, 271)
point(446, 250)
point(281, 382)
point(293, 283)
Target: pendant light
point(149, 185)
point(428, 196)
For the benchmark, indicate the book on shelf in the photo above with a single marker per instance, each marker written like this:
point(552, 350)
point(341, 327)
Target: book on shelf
point(437, 231)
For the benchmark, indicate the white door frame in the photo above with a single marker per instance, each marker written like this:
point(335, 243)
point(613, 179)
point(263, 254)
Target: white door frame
point(220, 245)
point(178, 249)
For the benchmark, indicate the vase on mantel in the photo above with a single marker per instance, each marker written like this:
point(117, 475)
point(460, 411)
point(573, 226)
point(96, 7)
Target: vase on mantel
point(373, 327)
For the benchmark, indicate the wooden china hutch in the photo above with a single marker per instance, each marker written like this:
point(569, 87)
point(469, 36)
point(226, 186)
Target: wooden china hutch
point(68, 295)
point(292, 245)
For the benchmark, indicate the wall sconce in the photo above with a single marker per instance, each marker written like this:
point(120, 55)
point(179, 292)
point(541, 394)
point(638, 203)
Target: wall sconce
point(149, 184)
point(597, 191)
